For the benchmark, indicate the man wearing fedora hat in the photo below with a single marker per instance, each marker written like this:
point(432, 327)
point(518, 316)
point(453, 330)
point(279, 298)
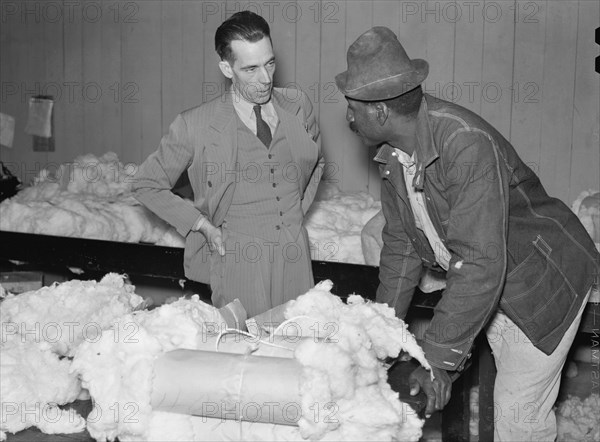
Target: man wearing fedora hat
point(457, 198)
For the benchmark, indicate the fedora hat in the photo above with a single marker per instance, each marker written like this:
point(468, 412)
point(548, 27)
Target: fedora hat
point(378, 68)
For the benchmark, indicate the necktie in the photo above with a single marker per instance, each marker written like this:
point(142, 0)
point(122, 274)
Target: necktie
point(263, 132)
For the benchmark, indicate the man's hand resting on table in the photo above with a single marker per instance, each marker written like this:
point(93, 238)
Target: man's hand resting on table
point(438, 391)
point(213, 236)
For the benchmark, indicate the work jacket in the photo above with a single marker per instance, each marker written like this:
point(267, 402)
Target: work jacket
point(203, 141)
point(512, 246)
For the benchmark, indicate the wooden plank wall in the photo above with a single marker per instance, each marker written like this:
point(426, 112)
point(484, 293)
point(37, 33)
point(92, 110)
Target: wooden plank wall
point(122, 70)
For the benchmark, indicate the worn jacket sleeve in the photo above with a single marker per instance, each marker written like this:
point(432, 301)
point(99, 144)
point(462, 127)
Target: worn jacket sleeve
point(159, 173)
point(476, 239)
point(315, 132)
point(400, 266)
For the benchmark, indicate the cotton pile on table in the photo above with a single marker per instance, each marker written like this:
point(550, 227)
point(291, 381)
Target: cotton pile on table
point(587, 207)
point(40, 331)
point(88, 198)
point(337, 347)
point(335, 222)
point(578, 420)
point(91, 197)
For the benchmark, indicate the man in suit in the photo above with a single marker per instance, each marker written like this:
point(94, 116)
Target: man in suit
point(253, 157)
point(457, 198)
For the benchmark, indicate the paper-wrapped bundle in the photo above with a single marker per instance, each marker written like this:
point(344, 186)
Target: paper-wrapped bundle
point(267, 321)
point(234, 314)
point(228, 386)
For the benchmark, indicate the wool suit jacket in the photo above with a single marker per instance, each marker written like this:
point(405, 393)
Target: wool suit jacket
point(203, 141)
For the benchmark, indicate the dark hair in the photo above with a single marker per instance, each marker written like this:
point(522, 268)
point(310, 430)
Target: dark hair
point(243, 25)
point(406, 104)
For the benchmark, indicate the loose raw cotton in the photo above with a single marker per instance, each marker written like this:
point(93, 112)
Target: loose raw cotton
point(91, 198)
point(343, 366)
point(334, 224)
point(34, 381)
point(587, 207)
point(39, 332)
point(118, 368)
point(64, 315)
point(342, 382)
point(578, 419)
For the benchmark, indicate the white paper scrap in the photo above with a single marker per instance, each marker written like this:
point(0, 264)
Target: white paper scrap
point(40, 117)
point(7, 129)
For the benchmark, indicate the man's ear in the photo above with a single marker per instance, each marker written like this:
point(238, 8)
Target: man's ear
point(226, 68)
point(381, 113)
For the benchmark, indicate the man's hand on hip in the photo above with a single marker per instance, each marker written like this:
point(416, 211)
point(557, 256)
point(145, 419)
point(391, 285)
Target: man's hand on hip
point(437, 390)
point(213, 236)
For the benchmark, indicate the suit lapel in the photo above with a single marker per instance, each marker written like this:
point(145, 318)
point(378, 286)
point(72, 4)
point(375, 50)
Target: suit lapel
point(222, 150)
point(222, 134)
point(296, 132)
point(287, 112)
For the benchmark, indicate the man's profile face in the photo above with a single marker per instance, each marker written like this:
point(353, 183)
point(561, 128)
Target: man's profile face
point(252, 69)
point(362, 119)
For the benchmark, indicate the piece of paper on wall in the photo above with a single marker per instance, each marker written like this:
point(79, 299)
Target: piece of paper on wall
point(7, 129)
point(39, 121)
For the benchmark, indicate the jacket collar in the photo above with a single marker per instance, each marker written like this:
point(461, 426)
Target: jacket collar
point(224, 112)
point(426, 151)
point(286, 104)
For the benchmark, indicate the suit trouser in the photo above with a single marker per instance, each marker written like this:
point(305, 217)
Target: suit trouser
point(262, 274)
point(527, 381)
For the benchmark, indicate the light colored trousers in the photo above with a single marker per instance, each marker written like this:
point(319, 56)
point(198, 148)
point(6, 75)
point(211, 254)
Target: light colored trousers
point(527, 381)
point(262, 274)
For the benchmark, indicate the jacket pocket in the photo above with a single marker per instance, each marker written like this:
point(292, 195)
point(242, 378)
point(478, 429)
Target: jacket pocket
point(537, 296)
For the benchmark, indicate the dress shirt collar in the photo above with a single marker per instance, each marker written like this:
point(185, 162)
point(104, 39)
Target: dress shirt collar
point(245, 111)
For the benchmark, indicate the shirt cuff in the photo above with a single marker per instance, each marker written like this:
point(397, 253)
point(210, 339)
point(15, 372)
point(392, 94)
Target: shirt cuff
point(450, 359)
point(199, 223)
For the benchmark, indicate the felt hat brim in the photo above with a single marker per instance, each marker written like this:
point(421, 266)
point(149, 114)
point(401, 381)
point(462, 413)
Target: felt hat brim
point(388, 87)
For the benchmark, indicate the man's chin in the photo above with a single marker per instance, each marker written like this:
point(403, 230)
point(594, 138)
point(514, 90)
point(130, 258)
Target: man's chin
point(262, 99)
point(366, 141)
point(256, 97)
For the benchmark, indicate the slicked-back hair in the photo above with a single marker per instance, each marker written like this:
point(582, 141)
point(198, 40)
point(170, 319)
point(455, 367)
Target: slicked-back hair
point(407, 104)
point(243, 25)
